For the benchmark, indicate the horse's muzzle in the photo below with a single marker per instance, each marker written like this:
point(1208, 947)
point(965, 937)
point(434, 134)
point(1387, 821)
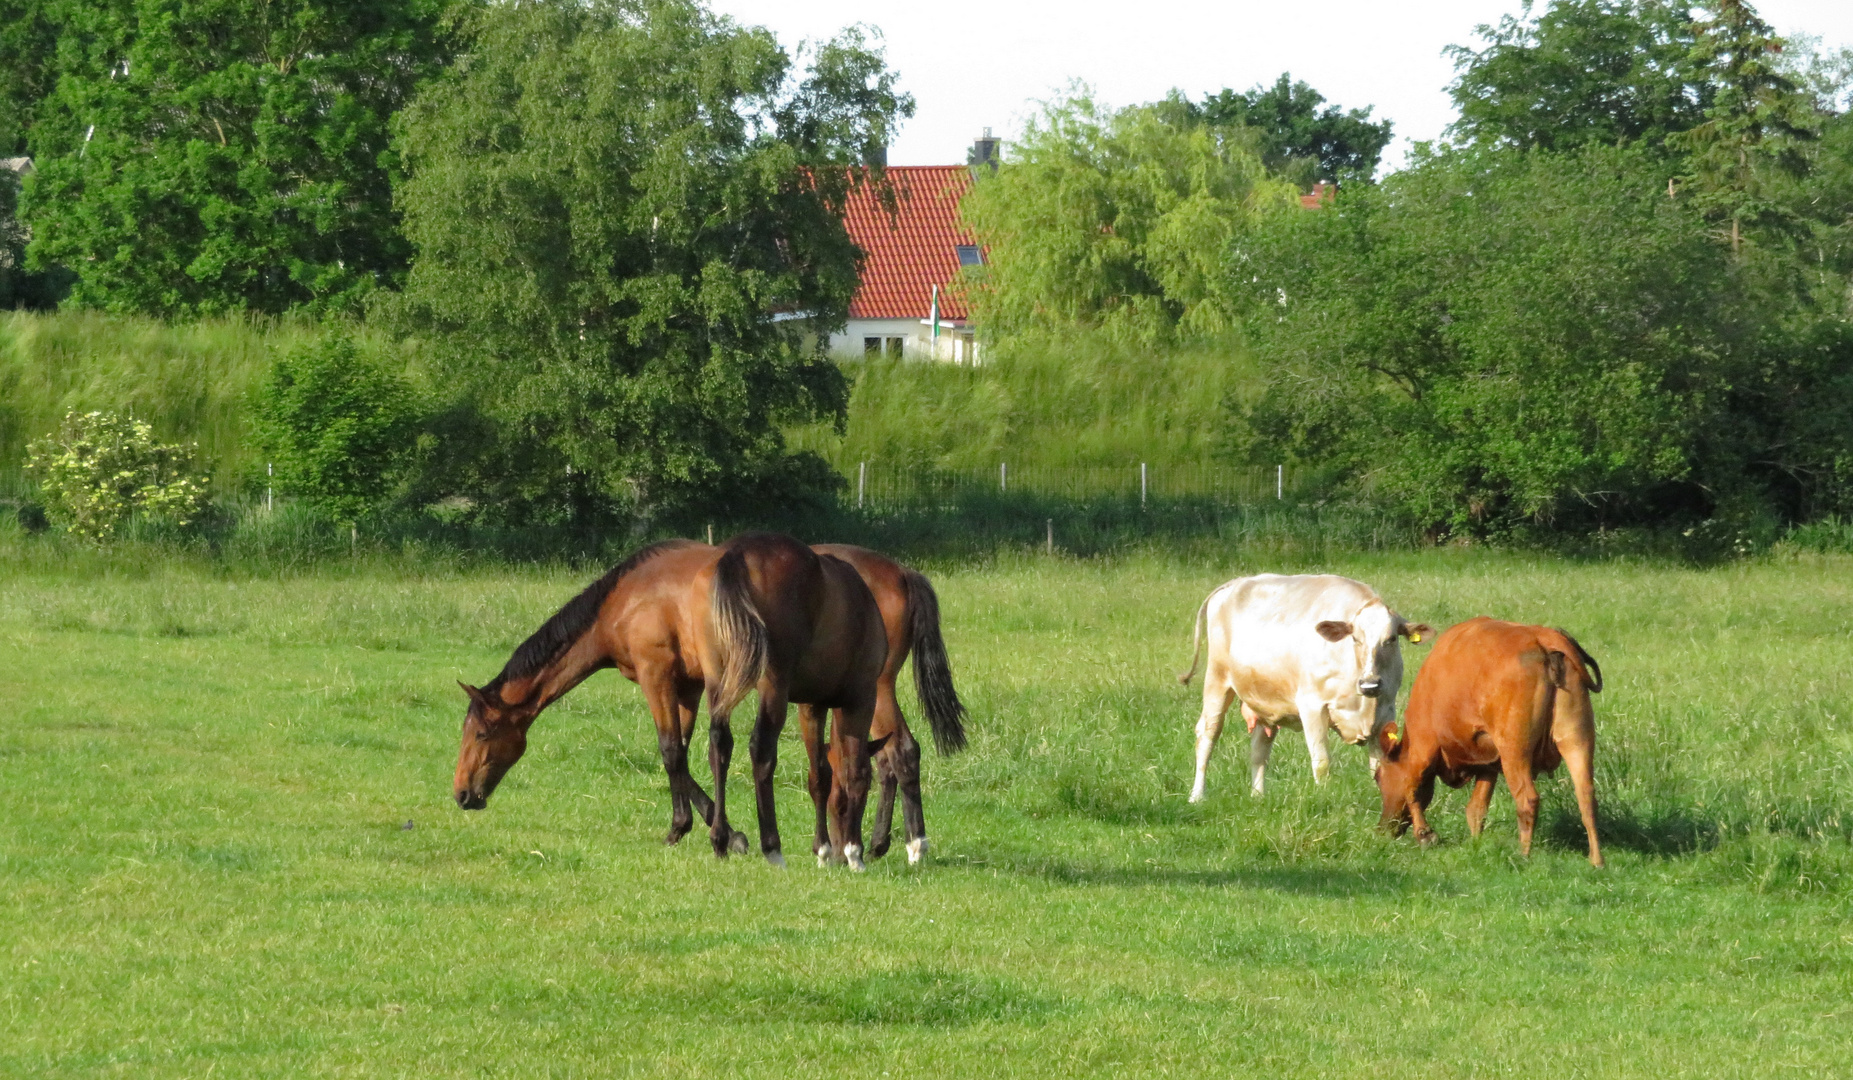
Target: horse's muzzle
point(469, 800)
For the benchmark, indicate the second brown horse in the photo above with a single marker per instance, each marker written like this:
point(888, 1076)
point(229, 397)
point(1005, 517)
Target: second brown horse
point(679, 618)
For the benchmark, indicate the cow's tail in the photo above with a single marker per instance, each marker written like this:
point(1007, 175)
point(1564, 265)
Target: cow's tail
point(1196, 638)
point(739, 633)
point(1589, 662)
point(932, 668)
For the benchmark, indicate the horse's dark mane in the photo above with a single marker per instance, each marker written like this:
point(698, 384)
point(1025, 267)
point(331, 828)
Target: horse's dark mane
point(571, 622)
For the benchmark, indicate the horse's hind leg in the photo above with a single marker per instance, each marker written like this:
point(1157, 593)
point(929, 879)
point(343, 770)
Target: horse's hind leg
point(689, 707)
point(764, 751)
point(849, 789)
point(720, 756)
point(906, 760)
point(811, 726)
point(881, 835)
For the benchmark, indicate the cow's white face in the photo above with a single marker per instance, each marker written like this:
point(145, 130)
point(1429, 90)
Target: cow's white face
point(1374, 636)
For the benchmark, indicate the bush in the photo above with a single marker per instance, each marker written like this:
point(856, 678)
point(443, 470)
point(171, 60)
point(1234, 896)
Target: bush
point(337, 426)
point(100, 468)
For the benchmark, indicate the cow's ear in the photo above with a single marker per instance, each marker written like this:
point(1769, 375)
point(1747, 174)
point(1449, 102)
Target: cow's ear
point(1333, 630)
point(1416, 632)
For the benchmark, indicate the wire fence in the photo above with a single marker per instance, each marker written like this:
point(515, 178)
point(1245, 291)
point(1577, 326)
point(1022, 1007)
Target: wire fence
point(879, 485)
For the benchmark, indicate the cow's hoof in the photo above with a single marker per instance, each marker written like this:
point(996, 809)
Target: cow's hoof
point(852, 854)
point(1196, 796)
point(916, 850)
point(1427, 839)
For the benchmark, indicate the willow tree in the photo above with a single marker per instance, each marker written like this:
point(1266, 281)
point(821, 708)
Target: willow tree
point(1118, 220)
point(628, 218)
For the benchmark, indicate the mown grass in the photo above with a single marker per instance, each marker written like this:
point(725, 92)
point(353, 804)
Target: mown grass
point(207, 776)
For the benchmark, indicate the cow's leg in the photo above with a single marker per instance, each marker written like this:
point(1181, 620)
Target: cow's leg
point(1574, 730)
point(1216, 699)
point(1478, 802)
point(1260, 745)
point(1314, 723)
point(1516, 764)
point(1421, 794)
point(811, 723)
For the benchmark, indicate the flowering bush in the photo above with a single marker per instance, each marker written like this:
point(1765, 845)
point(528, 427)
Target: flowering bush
point(100, 468)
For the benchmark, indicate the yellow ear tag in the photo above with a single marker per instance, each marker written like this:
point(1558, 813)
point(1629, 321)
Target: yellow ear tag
point(1396, 737)
point(1415, 638)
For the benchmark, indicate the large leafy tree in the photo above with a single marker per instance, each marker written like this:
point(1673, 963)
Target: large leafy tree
point(1337, 144)
point(626, 213)
point(1117, 220)
point(214, 155)
point(1582, 72)
point(1503, 339)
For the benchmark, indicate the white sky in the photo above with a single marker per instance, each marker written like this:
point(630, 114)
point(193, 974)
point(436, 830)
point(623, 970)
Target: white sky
point(977, 63)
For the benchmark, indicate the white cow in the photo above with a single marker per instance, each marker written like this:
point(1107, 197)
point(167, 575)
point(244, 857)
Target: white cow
point(1300, 651)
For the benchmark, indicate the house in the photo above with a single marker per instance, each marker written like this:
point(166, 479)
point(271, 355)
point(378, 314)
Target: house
point(906, 305)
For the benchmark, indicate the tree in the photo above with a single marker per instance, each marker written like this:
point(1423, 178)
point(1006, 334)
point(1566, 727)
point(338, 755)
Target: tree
point(627, 213)
point(200, 156)
point(1118, 220)
point(1584, 72)
point(1340, 145)
point(1502, 339)
point(337, 424)
point(1754, 126)
point(28, 40)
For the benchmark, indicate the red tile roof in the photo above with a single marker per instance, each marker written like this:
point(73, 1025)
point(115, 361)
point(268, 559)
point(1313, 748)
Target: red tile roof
point(913, 249)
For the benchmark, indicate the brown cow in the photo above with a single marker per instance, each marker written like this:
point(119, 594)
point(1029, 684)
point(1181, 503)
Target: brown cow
point(1494, 696)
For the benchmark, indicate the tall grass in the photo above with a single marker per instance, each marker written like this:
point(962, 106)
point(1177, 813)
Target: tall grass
point(1075, 401)
point(191, 381)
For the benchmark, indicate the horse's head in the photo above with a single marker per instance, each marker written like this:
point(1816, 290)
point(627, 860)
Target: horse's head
point(494, 736)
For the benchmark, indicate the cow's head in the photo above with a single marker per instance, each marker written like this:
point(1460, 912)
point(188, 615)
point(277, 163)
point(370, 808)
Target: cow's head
point(1375, 634)
point(1392, 780)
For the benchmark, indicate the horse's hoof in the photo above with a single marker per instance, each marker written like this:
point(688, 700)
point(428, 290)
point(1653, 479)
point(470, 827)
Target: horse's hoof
point(852, 854)
point(737, 843)
point(823, 856)
point(916, 850)
point(878, 848)
point(674, 837)
point(776, 859)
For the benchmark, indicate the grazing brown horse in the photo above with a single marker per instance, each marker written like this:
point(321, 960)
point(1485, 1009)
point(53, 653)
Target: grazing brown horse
point(679, 619)
point(910, 613)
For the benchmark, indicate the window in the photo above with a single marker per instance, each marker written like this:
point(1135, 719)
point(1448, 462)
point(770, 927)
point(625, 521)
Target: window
point(894, 348)
point(871, 346)
point(969, 255)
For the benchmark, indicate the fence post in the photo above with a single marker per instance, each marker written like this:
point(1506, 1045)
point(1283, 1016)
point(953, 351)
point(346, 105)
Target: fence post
point(1141, 485)
point(270, 470)
point(1003, 476)
point(1280, 481)
point(862, 481)
point(710, 534)
point(1049, 543)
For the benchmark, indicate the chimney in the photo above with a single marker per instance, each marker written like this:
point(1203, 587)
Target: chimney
point(983, 154)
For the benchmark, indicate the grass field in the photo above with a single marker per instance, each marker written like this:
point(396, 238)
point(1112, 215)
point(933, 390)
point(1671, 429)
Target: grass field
point(229, 847)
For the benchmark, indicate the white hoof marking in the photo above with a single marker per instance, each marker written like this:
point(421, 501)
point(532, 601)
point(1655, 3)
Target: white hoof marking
point(916, 850)
point(852, 854)
point(776, 859)
point(823, 855)
point(1196, 795)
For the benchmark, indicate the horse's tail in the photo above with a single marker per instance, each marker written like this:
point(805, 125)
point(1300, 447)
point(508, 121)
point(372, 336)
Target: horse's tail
point(1196, 638)
point(932, 670)
point(1595, 685)
point(739, 633)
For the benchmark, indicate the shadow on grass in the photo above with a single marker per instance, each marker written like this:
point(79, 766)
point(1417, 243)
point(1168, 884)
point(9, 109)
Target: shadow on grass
point(1674, 831)
point(1321, 881)
point(914, 996)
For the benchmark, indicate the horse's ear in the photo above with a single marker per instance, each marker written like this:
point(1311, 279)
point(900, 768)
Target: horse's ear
point(475, 694)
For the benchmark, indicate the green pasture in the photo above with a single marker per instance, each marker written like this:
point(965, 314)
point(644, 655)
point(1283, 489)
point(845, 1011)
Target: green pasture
point(228, 846)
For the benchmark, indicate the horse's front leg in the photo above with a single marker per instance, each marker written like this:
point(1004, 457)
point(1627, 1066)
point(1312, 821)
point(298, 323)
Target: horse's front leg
point(763, 748)
point(811, 720)
point(672, 742)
